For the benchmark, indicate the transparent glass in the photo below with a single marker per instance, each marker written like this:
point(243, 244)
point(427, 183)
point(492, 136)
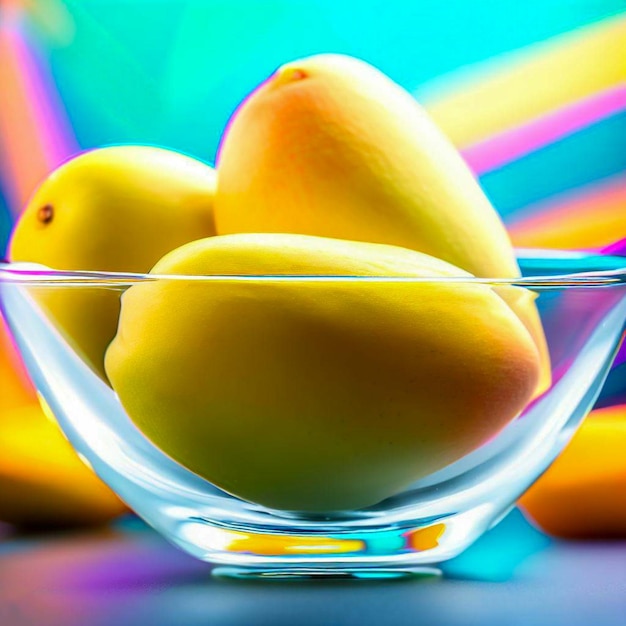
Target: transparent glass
point(582, 303)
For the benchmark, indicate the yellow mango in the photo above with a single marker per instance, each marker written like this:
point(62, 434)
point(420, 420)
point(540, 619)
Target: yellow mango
point(317, 395)
point(42, 480)
point(115, 209)
point(330, 146)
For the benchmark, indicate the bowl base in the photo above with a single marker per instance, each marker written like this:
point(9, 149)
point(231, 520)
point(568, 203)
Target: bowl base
point(320, 550)
point(301, 573)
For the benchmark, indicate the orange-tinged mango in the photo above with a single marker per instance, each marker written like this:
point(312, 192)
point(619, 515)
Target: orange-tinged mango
point(330, 146)
point(583, 493)
point(116, 209)
point(317, 395)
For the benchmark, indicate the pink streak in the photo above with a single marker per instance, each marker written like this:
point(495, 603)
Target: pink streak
point(618, 248)
point(50, 117)
point(501, 149)
point(40, 138)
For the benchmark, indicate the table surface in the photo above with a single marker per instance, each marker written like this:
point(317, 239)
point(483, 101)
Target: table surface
point(129, 576)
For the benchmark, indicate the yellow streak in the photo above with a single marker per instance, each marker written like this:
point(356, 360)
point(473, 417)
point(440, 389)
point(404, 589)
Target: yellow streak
point(280, 545)
point(560, 71)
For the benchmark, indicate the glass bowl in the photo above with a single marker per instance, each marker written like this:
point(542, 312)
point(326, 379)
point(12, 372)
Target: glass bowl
point(582, 303)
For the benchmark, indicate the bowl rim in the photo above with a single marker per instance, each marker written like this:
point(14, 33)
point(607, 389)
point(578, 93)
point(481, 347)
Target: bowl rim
point(39, 275)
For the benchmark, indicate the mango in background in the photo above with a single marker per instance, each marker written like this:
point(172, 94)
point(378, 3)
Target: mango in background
point(116, 209)
point(317, 395)
point(582, 495)
point(330, 146)
point(42, 480)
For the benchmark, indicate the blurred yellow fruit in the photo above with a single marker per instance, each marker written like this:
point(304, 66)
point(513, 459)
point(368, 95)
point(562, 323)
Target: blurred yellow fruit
point(42, 480)
point(583, 493)
point(116, 209)
point(317, 396)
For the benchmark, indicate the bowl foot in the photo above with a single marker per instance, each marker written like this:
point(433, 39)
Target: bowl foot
point(303, 573)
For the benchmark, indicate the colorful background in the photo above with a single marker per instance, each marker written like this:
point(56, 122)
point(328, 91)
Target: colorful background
point(533, 93)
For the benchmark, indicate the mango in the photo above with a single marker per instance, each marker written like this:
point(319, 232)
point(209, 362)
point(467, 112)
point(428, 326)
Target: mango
point(582, 495)
point(42, 480)
point(330, 146)
point(317, 395)
point(115, 209)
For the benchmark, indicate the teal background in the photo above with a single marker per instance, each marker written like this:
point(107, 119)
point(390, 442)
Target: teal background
point(171, 72)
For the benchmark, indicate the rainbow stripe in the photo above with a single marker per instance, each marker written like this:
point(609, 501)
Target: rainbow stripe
point(498, 96)
point(35, 135)
point(592, 217)
point(525, 102)
point(492, 153)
